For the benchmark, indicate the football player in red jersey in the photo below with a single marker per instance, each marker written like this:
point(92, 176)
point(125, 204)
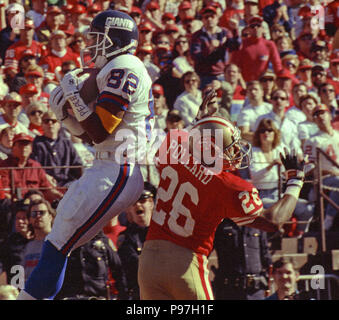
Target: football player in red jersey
point(195, 193)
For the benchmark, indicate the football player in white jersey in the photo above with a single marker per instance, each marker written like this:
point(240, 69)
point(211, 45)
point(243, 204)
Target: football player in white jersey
point(327, 140)
point(120, 124)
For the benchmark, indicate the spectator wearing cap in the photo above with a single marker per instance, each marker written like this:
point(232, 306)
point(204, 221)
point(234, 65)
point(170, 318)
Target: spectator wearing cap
point(253, 9)
point(145, 33)
point(182, 60)
point(328, 97)
point(38, 11)
point(144, 52)
point(58, 52)
point(303, 45)
point(319, 53)
point(160, 106)
point(295, 113)
point(267, 81)
point(9, 36)
point(78, 17)
point(209, 46)
point(307, 128)
point(12, 106)
point(174, 121)
point(51, 24)
point(304, 72)
point(318, 76)
point(254, 106)
point(277, 13)
point(131, 241)
point(35, 111)
point(256, 53)
point(93, 10)
point(52, 149)
point(188, 102)
point(136, 14)
point(153, 14)
point(28, 93)
point(35, 75)
point(291, 63)
point(234, 11)
point(173, 32)
point(13, 248)
point(326, 139)
point(285, 81)
point(186, 15)
point(78, 42)
point(33, 176)
point(15, 52)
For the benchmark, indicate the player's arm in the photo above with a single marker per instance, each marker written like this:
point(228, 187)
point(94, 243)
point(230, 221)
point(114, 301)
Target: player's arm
point(98, 123)
point(282, 210)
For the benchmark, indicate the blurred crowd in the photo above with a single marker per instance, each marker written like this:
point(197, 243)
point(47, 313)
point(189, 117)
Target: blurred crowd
point(273, 63)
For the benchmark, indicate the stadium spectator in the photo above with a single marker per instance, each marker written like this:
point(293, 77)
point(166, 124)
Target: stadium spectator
point(208, 47)
point(277, 13)
point(132, 239)
point(67, 66)
point(304, 72)
point(53, 150)
point(35, 111)
point(267, 81)
point(38, 11)
point(33, 175)
point(188, 102)
point(252, 109)
point(284, 45)
point(291, 63)
point(51, 24)
point(12, 249)
point(318, 77)
point(145, 33)
point(182, 61)
point(12, 106)
point(78, 17)
point(319, 53)
point(160, 107)
point(333, 72)
point(295, 113)
point(256, 52)
point(328, 97)
point(277, 31)
point(6, 142)
point(327, 140)
point(40, 215)
point(145, 52)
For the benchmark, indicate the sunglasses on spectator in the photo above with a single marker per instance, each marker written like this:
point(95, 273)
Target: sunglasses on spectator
point(36, 213)
point(47, 121)
point(163, 42)
point(34, 76)
point(263, 130)
point(322, 74)
point(318, 113)
point(34, 112)
point(145, 31)
point(79, 41)
point(267, 80)
point(156, 95)
point(28, 58)
point(255, 25)
point(182, 42)
point(246, 35)
point(290, 64)
point(279, 98)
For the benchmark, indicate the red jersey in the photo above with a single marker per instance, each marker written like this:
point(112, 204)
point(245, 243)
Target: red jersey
point(191, 201)
point(332, 13)
point(15, 51)
point(52, 64)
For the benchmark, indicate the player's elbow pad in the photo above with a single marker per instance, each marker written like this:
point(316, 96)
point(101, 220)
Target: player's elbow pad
point(109, 121)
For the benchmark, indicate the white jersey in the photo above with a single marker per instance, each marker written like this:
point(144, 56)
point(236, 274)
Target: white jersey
point(327, 143)
point(125, 82)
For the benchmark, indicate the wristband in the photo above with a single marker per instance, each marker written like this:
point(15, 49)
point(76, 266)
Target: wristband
point(80, 109)
point(294, 187)
point(294, 174)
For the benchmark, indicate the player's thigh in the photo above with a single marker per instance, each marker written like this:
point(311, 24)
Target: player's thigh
point(104, 191)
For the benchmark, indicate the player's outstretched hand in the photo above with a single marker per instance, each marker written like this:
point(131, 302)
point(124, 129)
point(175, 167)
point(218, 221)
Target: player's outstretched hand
point(71, 82)
point(57, 103)
point(204, 111)
point(294, 167)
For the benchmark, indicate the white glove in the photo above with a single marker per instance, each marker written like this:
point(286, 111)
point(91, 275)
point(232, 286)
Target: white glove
point(71, 83)
point(57, 102)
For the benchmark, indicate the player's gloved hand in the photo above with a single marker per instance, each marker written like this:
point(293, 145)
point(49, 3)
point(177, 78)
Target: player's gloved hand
point(293, 166)
point(72, 82)
point(204, 110)
point(57, 103)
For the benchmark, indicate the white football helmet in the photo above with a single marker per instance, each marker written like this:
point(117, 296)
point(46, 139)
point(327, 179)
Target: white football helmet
point(220, 140)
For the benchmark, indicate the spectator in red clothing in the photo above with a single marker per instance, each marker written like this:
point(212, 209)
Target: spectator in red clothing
point(78, 17)
point(256, 53)
point(303, 45)
point(153, 15)
point(51, 24)
point(57, 54)
point(33, 176)
point(145, 33)
point(35, 75)
point(333, 73)
point(15, 51)
point(234, 11)
point(136, 14)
